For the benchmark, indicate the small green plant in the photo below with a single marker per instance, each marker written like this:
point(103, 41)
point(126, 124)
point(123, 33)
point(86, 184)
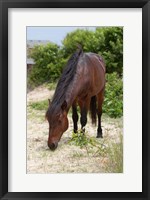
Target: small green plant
point(78, 155)
point(41, 105)
point(51, 85)
point(79, 139)
point(92, 146)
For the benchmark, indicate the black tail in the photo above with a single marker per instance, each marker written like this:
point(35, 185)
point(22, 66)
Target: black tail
point(93, 109)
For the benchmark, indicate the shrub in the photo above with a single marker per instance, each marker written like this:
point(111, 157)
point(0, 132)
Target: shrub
point(112, 48)
point(113, 101)
point(48, 66)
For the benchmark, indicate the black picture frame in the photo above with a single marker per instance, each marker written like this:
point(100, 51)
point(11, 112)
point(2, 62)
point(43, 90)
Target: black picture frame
point(4, 6)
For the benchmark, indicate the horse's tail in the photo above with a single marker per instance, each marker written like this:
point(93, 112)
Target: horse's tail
point(93, 109)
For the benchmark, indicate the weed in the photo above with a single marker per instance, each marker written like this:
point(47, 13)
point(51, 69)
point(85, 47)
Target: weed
point(92, 146)
point(77, 155)
point(41, 105)
point(51, 85)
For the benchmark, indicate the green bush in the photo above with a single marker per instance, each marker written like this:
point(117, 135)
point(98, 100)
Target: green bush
point(48, 66)
point(113, 101)
point(112, 48)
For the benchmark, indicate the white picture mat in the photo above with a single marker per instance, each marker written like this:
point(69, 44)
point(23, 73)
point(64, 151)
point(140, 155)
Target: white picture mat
point(131, 179)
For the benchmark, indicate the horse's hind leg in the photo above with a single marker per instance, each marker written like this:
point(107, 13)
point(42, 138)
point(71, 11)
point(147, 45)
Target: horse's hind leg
point(100, 98)
point(75, 117)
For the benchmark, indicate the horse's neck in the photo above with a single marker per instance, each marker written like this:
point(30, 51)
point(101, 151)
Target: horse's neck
point(72, 92)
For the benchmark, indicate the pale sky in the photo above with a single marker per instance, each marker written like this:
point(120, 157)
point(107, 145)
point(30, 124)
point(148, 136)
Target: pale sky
point(54, 34)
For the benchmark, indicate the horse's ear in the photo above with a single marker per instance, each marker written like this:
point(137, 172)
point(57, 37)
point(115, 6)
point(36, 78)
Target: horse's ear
point(64, 105)
point(49, 101)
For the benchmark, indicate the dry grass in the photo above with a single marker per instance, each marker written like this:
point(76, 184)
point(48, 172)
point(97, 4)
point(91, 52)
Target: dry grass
point(70, 158)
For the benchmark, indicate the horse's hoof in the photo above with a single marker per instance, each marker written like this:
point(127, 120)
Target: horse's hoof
point(75, 131)
point(83, 130)
point(99, 136)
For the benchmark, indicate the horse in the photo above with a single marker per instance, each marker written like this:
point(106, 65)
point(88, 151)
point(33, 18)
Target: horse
point(82, 84)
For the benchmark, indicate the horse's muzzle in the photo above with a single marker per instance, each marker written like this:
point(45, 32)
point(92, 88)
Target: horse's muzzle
point(52, 146)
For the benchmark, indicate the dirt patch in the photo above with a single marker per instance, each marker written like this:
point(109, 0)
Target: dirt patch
point(38, 94)
point(66, 158)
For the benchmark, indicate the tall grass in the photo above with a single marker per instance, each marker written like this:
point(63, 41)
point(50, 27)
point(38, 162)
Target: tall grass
point(115, 157)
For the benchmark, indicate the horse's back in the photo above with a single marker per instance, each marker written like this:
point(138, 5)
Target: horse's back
point(97, 59)
point(92, 69)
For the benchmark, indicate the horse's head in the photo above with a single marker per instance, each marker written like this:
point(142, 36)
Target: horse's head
point(58, 124)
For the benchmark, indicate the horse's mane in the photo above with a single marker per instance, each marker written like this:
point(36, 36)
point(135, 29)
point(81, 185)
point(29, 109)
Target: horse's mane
point(65, 80)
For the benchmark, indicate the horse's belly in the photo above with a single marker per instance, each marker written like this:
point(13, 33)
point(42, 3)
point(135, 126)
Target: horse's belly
point(90, 90)
point(98, 87)
point(97, 84)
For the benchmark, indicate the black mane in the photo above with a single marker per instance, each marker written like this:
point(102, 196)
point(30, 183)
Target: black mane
point(64, 81)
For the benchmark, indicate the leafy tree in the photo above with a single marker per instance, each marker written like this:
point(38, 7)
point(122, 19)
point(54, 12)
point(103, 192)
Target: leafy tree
point(107, 41)
point(112, 48)
point(80, 36)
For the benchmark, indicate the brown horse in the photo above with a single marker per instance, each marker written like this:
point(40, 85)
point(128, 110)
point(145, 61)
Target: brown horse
point(82, 83)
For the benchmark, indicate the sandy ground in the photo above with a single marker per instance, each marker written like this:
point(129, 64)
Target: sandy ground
point(66, 158)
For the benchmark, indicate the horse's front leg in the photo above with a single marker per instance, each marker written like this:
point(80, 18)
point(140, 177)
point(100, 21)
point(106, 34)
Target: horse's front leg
point(75, 117)
point(83, 119)
point(84, 105)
